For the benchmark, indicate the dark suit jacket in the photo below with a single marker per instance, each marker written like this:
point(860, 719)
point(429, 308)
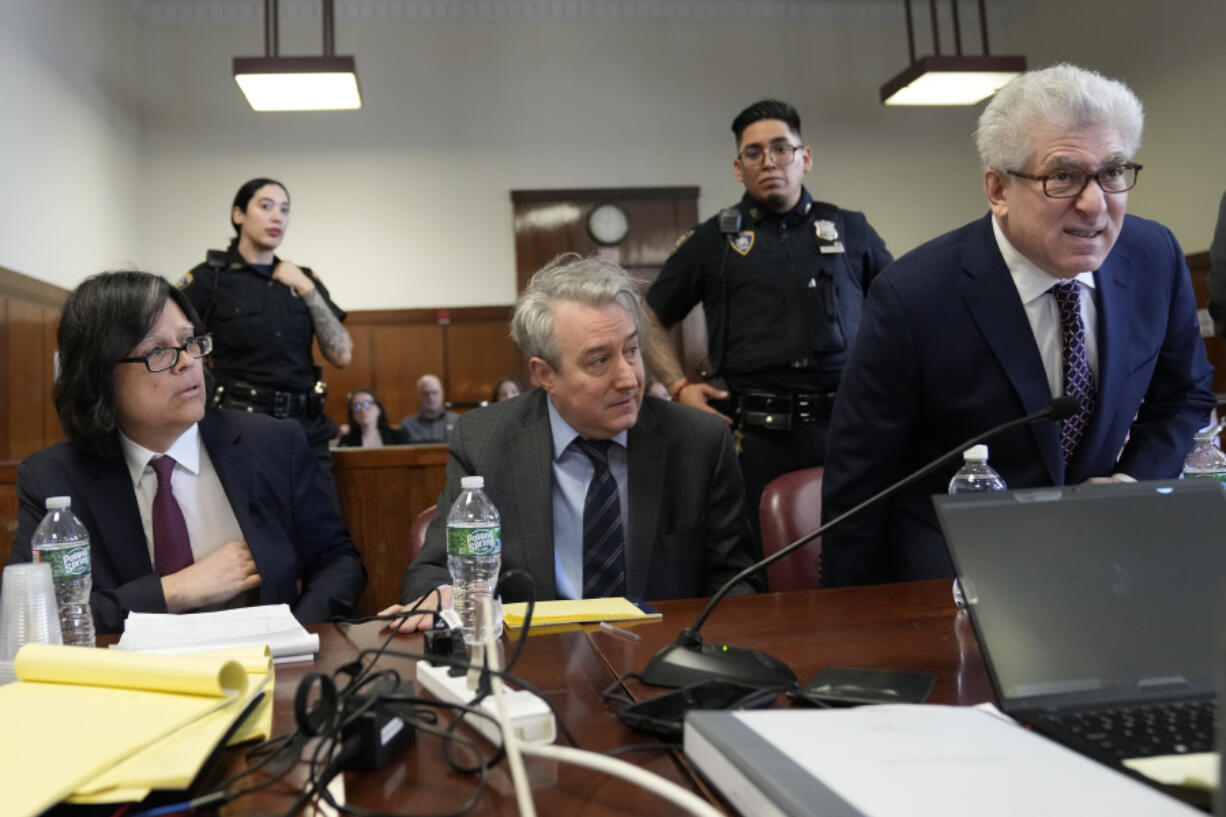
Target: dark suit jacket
point(288, 518)
point(687, 531)
point(946, 352)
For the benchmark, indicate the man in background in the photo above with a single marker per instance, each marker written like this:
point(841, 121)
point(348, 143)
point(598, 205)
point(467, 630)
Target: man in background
point(1054, 292)
point(433, 422)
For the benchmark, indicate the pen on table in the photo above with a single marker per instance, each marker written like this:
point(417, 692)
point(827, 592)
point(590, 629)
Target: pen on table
point(609, 628)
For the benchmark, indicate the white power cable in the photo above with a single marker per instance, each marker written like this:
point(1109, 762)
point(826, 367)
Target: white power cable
point(627, 771)
point(665, 789)
point(510, 744)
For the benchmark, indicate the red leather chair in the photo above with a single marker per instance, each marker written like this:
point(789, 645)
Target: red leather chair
point(417, 533)
point(791, 506)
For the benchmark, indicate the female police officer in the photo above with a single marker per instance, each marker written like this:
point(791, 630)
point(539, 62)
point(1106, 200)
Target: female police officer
point(263, 311)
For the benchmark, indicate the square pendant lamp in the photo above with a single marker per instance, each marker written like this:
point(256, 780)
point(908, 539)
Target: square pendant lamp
point(276, 83)
point(949, 80)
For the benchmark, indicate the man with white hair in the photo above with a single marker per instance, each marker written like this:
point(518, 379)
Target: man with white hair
point(1055, 291)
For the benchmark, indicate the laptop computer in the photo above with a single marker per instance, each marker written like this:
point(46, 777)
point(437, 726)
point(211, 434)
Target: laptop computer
point(1097, 609)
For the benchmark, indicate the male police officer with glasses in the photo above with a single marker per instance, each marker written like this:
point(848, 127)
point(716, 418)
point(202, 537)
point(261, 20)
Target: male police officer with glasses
point(782, 280)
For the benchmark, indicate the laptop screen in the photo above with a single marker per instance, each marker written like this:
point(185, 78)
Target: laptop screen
point(1093, 593)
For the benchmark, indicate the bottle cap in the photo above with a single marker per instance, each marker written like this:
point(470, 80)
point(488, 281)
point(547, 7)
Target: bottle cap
point(472, 483)
point(57, 502)
point(976, 453)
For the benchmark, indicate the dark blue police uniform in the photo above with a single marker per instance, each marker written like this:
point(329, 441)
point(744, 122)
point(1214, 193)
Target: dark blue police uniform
point(262, 334)
point(783, 296)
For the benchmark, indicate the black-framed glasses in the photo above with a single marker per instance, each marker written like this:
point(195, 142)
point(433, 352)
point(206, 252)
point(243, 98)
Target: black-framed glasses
point(1069, 184)
point(780, 152)
point(166, 357)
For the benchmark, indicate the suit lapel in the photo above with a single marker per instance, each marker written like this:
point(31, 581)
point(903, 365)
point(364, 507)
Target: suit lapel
point(1114, 321)
point(117, 517)
point(644, 448)
point(222, 443)
point(992, 299)
point(531, 455)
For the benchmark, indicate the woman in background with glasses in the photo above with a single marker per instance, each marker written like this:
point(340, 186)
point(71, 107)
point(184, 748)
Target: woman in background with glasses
point(368, 426)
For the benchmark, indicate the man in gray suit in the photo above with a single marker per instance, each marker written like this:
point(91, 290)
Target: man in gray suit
point(680, 517)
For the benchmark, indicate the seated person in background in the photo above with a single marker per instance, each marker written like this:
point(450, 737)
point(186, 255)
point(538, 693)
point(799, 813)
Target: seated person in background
point(187, 508)
point(506, 388)
point(1054, 292)
point(367, 426)
point(432, 423)
point(675, 523)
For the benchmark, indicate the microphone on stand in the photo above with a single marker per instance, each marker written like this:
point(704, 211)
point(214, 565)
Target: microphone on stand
point(688, 660)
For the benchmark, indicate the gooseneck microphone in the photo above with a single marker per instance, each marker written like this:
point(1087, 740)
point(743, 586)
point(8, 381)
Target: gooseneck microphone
point(688, 660)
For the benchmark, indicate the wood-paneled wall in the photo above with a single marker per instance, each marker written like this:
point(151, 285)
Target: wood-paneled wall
point(29, 311)
point(469, 348)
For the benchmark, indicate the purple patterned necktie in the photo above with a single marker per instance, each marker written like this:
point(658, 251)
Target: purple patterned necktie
point(604, 549)
point(172, 548)
point(1078, 379)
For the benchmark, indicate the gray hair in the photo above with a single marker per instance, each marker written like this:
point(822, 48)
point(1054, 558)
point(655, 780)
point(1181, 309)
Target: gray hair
point(1064, 96)
point(569, 277)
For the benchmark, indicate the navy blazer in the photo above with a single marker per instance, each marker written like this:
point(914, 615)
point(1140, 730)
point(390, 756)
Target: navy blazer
point(288, 517)
point(687, 532)
point(946, 352)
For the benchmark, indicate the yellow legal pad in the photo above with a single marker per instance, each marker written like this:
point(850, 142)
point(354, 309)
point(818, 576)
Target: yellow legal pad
point(565, 614)
point(110, 725)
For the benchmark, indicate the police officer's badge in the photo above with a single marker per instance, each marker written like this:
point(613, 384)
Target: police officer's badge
point(185, 281)
point(742, 242)
point(826, 230)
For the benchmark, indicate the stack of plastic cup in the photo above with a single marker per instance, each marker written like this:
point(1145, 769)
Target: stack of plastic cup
point(28, 611)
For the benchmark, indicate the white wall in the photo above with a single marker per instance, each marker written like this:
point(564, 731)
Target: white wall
point(69, 139)
point(406, 202)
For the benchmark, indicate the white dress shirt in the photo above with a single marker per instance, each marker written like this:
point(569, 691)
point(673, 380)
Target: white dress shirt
point(206, 509)
point(1033, 285)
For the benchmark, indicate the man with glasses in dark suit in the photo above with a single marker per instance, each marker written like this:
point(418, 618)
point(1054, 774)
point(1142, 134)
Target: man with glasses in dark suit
point(187, 508)
point(1055, 291)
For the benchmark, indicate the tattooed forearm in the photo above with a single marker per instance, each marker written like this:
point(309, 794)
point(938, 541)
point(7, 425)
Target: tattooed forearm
point(334, 341)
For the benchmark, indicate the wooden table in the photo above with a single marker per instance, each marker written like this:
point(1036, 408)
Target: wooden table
point(902, 627)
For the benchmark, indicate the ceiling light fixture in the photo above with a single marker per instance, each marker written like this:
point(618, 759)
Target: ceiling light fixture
point(275, 83)
point(949, 80)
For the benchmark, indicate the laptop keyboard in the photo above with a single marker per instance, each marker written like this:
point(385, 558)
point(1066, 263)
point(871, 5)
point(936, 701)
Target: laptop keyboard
point(1138, 730)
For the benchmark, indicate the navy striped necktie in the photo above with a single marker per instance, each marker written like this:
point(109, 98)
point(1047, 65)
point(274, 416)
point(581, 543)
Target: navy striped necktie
point(604, 541)
point(1078, 379)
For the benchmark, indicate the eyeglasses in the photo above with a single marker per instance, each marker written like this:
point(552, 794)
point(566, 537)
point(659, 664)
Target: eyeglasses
point(781, 153)
point(1069, 184)
point(167, 357)
point(361, 404)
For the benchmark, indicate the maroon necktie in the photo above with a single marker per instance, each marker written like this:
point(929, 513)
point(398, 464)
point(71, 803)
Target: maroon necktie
point(172, 548)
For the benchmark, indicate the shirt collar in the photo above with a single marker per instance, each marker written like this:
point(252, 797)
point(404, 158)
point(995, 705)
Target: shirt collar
point(185, 450)
point(564, 435)
point(756, 212)
point(1031, 281)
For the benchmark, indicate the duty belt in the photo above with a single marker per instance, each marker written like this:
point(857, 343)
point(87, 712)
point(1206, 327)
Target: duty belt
point(280, 404)
point(779, 410)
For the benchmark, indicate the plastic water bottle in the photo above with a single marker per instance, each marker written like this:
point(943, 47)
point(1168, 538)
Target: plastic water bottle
point(1205, 459)
point(63, 542)
point(975, 476)
point(474, 554)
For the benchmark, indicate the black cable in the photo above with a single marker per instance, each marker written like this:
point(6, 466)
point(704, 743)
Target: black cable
point(642, 747)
